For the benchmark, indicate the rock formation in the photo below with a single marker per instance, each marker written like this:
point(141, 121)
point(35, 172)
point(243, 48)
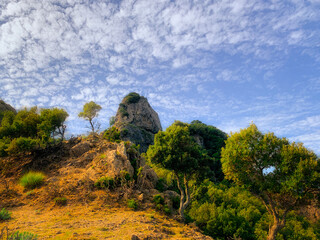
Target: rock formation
point(137, 121)
point(6, 107)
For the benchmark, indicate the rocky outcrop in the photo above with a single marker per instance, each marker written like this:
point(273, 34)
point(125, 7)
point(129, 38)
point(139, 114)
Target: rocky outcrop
point(5, 107)
point(137, 121)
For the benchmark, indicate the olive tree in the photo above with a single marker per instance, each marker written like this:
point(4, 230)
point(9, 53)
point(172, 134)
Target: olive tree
point(90, 111)
point(174, 149)
point(281, 174)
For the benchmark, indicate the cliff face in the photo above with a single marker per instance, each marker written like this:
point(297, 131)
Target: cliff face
point(6, 107)
point(137, 121)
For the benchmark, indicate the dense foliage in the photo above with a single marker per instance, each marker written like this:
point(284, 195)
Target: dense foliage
point(211, 139)
point(30, 129)
point(227, 211)
point(132, 97)
point(283, 175)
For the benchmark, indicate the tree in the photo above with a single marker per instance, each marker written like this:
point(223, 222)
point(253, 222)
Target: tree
point(90, 111)
point(52, 122)
point(282, 175)
point(174, 149)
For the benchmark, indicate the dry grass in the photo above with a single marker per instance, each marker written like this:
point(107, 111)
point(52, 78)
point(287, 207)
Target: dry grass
point(95, 222)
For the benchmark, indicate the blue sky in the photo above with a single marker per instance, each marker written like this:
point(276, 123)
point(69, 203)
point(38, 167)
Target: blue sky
point(226, 63)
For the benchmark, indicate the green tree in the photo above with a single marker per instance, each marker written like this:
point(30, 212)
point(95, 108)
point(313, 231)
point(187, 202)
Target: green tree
point(90, 111)
point(52, 123)
point(174, 149)
point(283, 176)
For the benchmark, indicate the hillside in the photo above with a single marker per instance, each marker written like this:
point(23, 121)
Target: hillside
point(71, 169)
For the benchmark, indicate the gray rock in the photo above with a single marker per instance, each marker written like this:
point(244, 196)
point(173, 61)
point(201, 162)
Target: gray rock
point(137, 121)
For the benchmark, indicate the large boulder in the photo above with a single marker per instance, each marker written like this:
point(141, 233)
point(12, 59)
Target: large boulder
point(137, 121)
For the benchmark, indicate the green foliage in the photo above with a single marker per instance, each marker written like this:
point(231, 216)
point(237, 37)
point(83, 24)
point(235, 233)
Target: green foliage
point(52, 123)
point(90, 111)
point(123, 110)
point(283, 175)
point(28, 130)
point(21, 144)
point(158, 199)
point(5, 214)
point(212, 140)
point(105, 183)
point(175, 150)
point(22, 236)
point(132, 98)
point(112, 134)
point(132, 203)
point(160, 185)
point(60, 201)
point(226, 212)
point(32, 180)
point(160, 204)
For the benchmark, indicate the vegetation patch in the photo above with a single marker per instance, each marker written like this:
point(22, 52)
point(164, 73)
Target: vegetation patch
point(105, 183)
point(23, 236)
point(132, 203)
point(5, 214)
point(160, 204)
point(112, 134)
point(123, 110)
point(32, 180)
point(60, 201)
point(132, 97)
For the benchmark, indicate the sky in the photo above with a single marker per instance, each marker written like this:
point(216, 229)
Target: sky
point(226, 63)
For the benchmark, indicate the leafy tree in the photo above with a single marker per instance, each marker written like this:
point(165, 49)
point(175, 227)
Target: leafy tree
point(52, 123)
point(90, 111)
point(174, 149)
point(284, 176)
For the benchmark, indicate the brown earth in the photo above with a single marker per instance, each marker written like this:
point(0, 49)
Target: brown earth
point(71, 168)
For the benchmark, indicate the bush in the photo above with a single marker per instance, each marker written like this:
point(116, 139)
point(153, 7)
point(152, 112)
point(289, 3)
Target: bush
point(158, 199)
point(60, 201)
point(132, 204)
point(23, 236)
point(112, 134)
point(4, 214)
point(105, 182)
point(132, 98)
point(32, 180)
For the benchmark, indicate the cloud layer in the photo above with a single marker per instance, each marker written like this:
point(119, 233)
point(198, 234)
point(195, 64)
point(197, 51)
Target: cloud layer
point(224, 62)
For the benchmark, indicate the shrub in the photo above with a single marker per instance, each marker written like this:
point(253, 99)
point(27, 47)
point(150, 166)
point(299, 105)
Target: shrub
point(23, 236)
point(105, 182)
point(132, 98)
point(112, 134)
point(132, 204)
point(158, 199)
point(32, 180)
point(60, 201)
point(4, 214)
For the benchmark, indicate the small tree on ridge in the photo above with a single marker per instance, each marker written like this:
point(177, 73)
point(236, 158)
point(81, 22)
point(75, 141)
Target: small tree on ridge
point(90, 111)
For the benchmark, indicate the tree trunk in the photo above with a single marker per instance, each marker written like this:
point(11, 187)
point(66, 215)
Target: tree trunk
point(274, 229)
point(92, 126)
point(184, 197)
